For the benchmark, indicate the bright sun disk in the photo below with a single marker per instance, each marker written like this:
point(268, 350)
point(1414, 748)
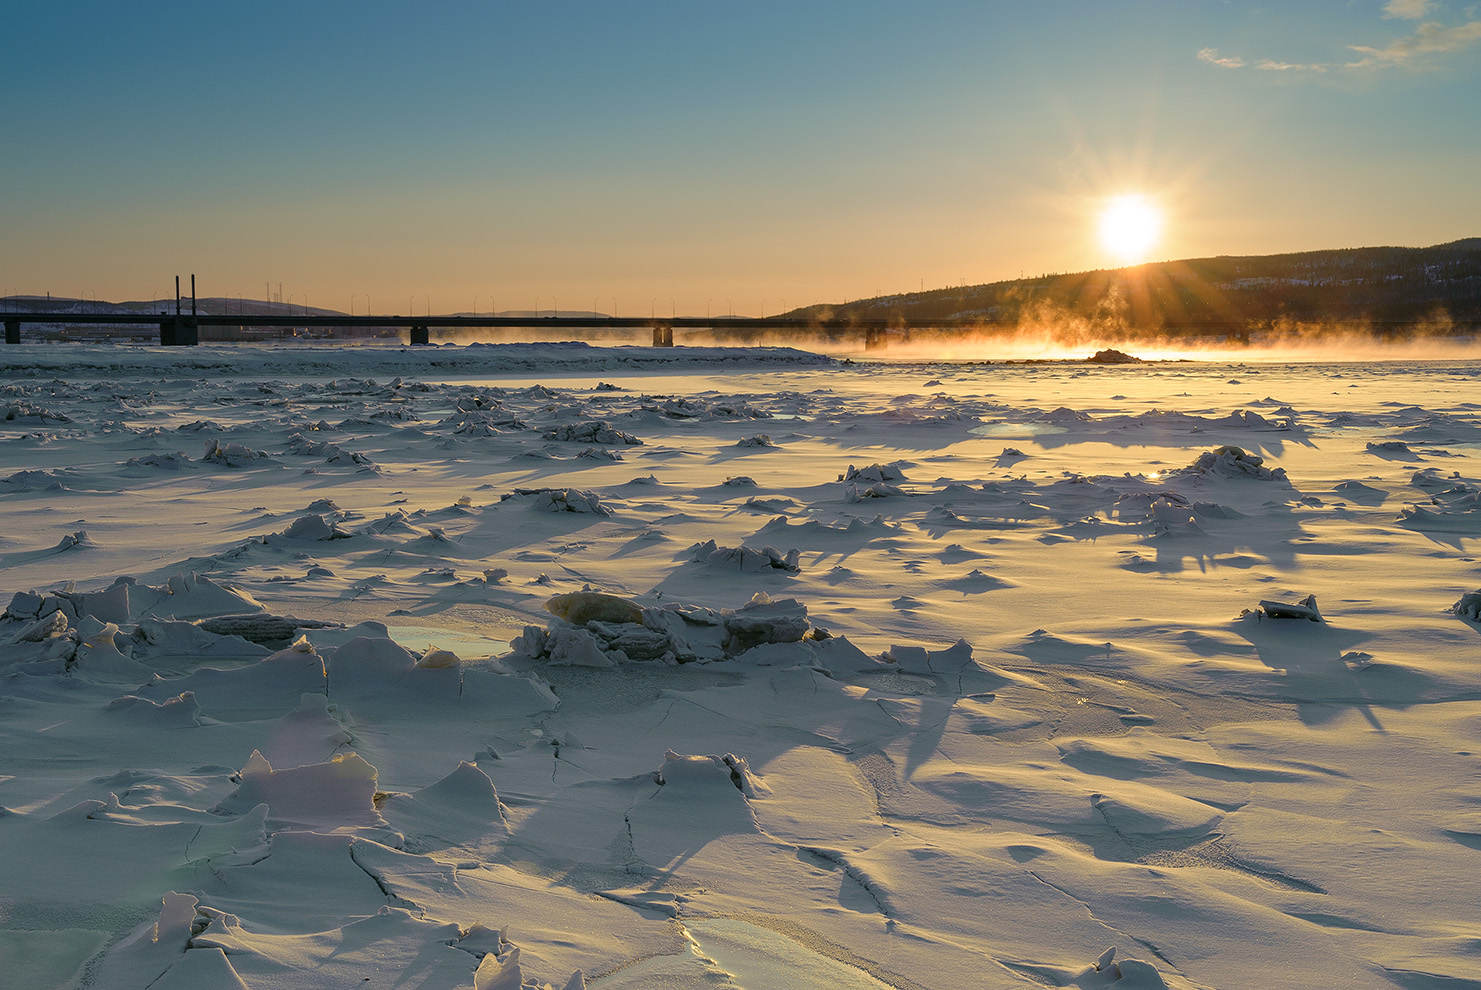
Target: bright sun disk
point(1130, 226)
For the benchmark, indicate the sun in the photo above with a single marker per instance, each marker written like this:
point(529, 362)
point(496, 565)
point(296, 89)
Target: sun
point(1130, 227)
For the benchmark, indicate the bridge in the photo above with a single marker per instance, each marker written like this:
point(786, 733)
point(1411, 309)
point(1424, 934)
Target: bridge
point(183, 329)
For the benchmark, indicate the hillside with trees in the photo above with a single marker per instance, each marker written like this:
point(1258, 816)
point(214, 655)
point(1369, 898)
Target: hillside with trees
point(1436, 287)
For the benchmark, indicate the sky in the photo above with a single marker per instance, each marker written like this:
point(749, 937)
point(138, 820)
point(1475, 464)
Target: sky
point(703, 158)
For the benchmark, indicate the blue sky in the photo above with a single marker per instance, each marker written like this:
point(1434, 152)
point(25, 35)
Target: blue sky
point(698, 156)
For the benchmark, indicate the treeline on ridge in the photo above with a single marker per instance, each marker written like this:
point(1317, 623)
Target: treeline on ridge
point(1437, 285)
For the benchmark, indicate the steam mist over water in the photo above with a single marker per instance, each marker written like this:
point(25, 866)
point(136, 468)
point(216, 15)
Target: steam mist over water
point(1067, 341)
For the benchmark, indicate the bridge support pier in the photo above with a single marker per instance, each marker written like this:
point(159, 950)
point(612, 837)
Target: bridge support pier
point(875, 339)
point(179, 331)
point(12, 331)
point(420, 337)
point(663, 336)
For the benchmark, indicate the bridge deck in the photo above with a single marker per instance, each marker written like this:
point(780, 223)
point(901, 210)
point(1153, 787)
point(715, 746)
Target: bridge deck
point(183, 328)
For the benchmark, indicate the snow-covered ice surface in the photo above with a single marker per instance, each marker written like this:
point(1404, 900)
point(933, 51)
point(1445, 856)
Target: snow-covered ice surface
point(967, 676)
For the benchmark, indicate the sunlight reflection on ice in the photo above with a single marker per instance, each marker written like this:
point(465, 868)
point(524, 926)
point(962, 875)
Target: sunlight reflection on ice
point(753, 958)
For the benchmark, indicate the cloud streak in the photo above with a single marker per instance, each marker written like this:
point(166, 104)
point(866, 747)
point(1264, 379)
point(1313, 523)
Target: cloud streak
point(1430, 41)
point(1409, 10)
point(1212, 57)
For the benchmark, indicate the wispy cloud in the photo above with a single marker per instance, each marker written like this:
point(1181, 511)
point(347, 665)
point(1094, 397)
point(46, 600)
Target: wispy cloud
point(1212, 57)
point(1408, 10)
point(1429, 41)
point(1269, 65)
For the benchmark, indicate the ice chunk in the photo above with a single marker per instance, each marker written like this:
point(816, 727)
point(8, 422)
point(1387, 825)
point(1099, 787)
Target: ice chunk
point(39, 631)
point(193, 596)
point(339, 792)
point(314, 527)
point(560, 500)
point(1129, 974)
point(1304, 609)
point(762, 620)
point(1469, 606)
point(181, 711)
point(24, 605)
point(874, 472)
point(1233, 462)
point(231, 454)
point(575, 647)
point(581, 607)
point(743, 558)
point(593, 431)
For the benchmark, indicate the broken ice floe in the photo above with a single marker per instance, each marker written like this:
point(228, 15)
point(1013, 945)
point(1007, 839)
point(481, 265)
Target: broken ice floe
point(32, 480)
point(162, 461)
point(262, 628)
point(894, 471)
point(744, 558)
point(1303, 609)
point(332, 453)
point(1232, 462)
point(337, 793)
point(684, 407)
point(1110, 974)
point(1454, 505)
point(483, 422)
point(1393, 449)
point(25, 413)
point(558, 500)
point(183, 596)
point(117, 633)
point(181, 711)
point(1469, 606)
point(593, 431)
point(77, 539)
point(231, 454)
point(314, 527)
point(856, 493)
point(616, 630)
